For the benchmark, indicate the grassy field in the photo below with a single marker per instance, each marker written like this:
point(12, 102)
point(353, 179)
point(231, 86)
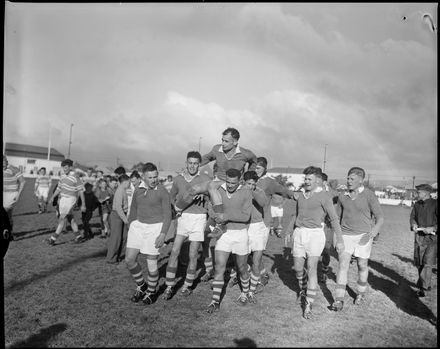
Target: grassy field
point(67, 296)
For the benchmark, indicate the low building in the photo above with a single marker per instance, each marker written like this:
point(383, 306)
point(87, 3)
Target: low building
point(30, 158)
point(294, 176)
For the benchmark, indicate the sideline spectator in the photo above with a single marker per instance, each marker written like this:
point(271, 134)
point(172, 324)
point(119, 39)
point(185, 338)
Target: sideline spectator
point(6, 229)
point(118, 222)
point(423, 221)
point(91, 204)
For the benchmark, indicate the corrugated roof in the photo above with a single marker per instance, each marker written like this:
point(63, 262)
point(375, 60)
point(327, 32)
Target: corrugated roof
point(32, 151)
point(292, 170)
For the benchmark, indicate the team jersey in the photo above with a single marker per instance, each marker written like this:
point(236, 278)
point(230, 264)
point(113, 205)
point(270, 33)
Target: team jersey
point(70, 185)
point(237, 207)
point(311, 211)
point(359, 215)
point(224, 163)
point(151, 206)
point(259, 201)
point(11, 179)
point(271, 188)
point(43, 181)
point(181, 185)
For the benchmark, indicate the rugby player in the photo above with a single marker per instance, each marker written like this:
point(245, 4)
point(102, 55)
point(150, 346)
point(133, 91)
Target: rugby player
point(313, 204)
point(69, 189)
point(43, 182)
point(190, 225)
point(13, 184)
point(258, 231)
point(226, 155)
point(361, 218)
point(149, 221)
point(237, 202)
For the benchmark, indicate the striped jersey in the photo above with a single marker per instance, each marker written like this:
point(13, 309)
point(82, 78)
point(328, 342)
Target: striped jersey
point(70, 184)
point(11, 178)
point(43, 181)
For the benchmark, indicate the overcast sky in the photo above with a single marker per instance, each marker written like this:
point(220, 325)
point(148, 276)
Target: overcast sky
point(149, 82)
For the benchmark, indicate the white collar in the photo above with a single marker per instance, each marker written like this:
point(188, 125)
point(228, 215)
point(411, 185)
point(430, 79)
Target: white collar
point(263, 176)
point(186, 175)
point(226, 189)
point(358, 190)
point(144, 186)
point(237, 150)
point(317, 190)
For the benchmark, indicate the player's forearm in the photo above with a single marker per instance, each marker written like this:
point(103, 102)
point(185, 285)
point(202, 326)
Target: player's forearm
point(376, 228)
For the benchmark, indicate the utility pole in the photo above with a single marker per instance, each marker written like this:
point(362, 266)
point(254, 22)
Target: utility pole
point(48, 148)
point(70, 141)
point(325, 155)
point(414, 180)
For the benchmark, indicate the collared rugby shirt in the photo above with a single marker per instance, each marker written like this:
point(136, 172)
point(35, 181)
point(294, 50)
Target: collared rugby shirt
point(11, 178)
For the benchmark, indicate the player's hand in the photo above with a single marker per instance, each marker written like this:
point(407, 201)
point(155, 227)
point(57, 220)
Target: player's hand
point(428, 230)
point(365, 238)
point(414, 227)
point(340, 247)
point(83, 208)
point(219, 218)
point(159, 241)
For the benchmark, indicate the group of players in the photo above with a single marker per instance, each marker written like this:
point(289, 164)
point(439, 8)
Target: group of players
point(232, 212)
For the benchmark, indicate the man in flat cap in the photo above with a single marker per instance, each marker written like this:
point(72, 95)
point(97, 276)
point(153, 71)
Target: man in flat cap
point(423, 221)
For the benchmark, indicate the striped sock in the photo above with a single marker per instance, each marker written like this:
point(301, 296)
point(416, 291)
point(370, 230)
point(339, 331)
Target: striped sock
point(340, 292)
point(254, 282)
point(208, 264)
point(170, 279)
point(217, 287)
point(311, 295)
point(244, 284)
point(302, 279)
point(190, 276)
point(153, 278)
point(136, 273)
point(362, 287)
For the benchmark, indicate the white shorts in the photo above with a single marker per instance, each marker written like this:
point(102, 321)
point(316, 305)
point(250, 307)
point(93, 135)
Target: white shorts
point(192, 226)
point(43, 192)
point(9, 198)
point(276, 211)
point(308, 242)
point(142, 236)
point(235, 241)
point(351, 246)
point(65, 205)
point(258, 236)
